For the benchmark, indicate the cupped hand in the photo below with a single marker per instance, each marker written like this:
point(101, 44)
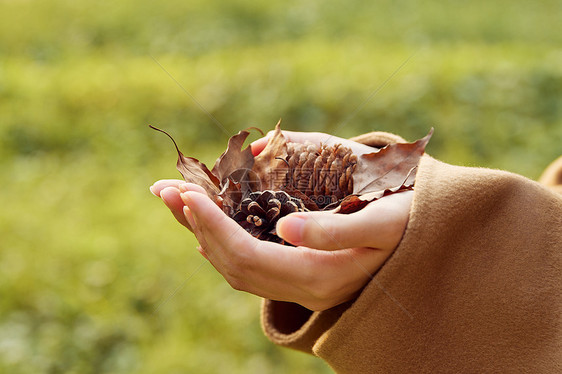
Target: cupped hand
point(334, 256)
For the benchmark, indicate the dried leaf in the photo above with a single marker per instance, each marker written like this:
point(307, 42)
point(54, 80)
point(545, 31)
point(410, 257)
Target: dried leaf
point(388, 167)
point(269, 165)
point(234, 158)
point(194, 171)
point(354, 203)
point(238, 186)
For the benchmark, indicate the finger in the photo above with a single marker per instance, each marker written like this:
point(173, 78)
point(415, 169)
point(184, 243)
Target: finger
point(189, 217)
point(258, 146)
point(171, 197)
point(158, 186)
point(380, 224)
point(292, 136)
point(324, 230)
point(192, 187)
point(302, 137)
point(319, 137)
point(198, 234)
point(313, 137)
point(212, 221)
point(322, 138)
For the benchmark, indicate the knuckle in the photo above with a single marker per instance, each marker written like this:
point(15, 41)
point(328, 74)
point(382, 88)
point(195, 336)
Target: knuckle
point(327, 235)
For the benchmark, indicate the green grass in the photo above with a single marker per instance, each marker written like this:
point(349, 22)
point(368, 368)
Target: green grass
point(95, 275)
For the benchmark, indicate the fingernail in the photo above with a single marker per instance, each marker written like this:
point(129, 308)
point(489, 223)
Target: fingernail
point(189, 217)
point(291, 229)
point(185, 198)
point(151, 188)
point(188, 202)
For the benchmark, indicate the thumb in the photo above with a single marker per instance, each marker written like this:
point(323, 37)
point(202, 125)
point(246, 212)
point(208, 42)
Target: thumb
point(326, 230)
point(381, 224)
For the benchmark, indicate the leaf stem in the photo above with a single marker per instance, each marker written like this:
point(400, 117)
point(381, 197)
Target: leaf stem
point(169, 136)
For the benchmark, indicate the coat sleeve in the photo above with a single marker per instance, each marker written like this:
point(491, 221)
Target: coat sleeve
point(475, 285)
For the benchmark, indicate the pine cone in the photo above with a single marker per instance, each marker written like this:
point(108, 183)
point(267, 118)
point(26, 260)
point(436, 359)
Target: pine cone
point(259, 212)
point(323, 173)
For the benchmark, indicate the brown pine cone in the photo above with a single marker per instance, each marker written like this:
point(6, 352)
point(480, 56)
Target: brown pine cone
point(259, 212)
point(323, 173)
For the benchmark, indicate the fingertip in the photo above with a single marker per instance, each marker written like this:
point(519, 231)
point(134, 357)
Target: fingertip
point(291, 228)
point(196, 202)
point(189, 217)
point(160, 185)
point(153, 191)
point(186, 198)
point(259, 145)
point(168, 194)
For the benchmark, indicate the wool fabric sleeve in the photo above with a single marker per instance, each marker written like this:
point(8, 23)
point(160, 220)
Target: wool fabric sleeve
point(475, 285)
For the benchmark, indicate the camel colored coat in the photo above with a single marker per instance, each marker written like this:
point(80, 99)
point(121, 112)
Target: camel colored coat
point(475, 285)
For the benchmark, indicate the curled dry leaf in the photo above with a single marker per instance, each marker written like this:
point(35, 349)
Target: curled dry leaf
point(234, 158)
point(270, 163)
point(354, 203)
point(288, 177)
point(390, 166)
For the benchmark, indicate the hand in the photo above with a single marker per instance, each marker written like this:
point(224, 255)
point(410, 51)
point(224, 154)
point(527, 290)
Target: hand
point(328, 267)
point(316, 279)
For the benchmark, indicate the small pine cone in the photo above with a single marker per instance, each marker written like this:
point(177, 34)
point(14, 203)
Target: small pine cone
point(259, 212)
point(324, 173)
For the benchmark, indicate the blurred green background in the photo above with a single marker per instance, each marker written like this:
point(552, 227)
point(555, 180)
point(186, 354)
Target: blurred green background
point(95, 275)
